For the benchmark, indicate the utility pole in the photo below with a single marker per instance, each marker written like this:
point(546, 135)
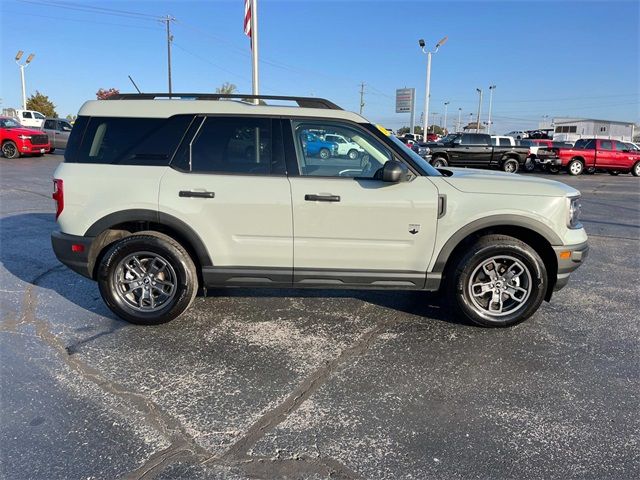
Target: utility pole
point(446, 106)
point(361, 97)
point(479, 90)
point(491, 89)
point(168, 20)
point(459, 120)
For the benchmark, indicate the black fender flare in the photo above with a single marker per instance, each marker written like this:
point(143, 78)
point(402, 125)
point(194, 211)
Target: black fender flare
point(143, 215)
point(505, 220)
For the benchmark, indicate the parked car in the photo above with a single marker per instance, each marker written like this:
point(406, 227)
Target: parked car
point(30, 118)
point(346, 147)
point(16, 140)
point(58, 130)
point(541, 153)
point(313, 145)
point(476, 150)
point(414, 137)
point(152, 206)
point(517, 134)
point(598, 154)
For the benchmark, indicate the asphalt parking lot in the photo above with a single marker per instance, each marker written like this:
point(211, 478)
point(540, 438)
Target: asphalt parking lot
point(315, 384)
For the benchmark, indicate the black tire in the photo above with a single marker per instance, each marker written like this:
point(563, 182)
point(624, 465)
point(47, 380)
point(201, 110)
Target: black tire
point(635, 170)
point(180, 271)
point(510, 165)
point(553, 169)
point(458, 280)
point(590, 170)
point(10, 150)
point(615, 173)
point(324, 153)
point(439, 162)
point(530, 164)
point(51, 150)
point(575, 167)
point(352, 154)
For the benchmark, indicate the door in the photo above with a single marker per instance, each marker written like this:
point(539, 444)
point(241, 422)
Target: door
point(50, 129)
point(605, 154)
point(27, 120)
point(624, 158)
point(228, 183)
point(351, 229)
point(63, 130)
point(473, 150)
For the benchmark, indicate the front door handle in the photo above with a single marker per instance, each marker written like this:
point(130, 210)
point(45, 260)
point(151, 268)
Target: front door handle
point(309, 197)
point(189, 193)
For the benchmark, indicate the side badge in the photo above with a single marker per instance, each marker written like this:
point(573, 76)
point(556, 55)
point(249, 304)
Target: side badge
point(414, 228)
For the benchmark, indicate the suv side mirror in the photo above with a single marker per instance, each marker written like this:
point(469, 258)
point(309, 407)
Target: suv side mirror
point(394, 171)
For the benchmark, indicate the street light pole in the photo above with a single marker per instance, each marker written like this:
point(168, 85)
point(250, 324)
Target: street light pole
point(427, 94)
point(22, 67)
point(446, 106)
point(491, 89)
point(479, 90)
point(459, 120)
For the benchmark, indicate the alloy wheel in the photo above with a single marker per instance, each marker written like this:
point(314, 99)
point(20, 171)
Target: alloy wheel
point(500, 286)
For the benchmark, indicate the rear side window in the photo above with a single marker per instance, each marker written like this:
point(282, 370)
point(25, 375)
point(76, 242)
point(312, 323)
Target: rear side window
point(26, 115)
point(475, 139)
point(126, 141)
point(236, 145)
point(504, 142)
point(50, 124)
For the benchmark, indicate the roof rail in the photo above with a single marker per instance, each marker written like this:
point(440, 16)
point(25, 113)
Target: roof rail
point(304, 102)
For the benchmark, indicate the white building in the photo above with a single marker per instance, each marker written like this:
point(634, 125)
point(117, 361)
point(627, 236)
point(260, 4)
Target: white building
point(572, 129)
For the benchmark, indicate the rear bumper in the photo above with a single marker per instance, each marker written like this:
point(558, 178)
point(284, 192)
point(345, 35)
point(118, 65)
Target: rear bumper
point(569, 258)
point(73, 251)
point(553, 161)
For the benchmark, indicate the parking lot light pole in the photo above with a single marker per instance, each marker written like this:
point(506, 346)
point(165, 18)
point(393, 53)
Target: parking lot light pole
point(22, 67)
point(427, 94)
point(491, 89)
point(479, 90)
point(459, 120)
point(446, 106)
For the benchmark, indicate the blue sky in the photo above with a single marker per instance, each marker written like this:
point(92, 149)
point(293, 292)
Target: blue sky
point(559, 58)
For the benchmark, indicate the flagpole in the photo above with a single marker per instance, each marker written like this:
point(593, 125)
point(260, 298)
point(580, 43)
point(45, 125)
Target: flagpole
point(254, 47)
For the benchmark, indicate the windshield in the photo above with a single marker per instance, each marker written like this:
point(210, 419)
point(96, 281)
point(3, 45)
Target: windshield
point(449, 138)
point(421, 162)
point(9, 123)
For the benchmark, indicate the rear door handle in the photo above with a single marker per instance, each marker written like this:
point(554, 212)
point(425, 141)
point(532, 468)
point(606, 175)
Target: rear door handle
point(309, 197)
point(189, 193)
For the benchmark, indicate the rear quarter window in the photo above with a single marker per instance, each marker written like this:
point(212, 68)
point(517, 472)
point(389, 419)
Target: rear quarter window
point(126, 141)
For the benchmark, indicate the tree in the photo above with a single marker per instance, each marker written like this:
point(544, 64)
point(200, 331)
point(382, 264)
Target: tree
point(227, 89)
point(71, 118)
point(103, 94)
point(437, 129)
point(41, 103)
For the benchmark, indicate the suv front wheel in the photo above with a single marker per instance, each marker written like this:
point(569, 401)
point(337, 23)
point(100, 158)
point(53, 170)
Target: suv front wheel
point(147, 278)
point(498, 282)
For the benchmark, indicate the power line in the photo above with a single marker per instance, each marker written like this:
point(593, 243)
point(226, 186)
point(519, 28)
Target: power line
point(93, 9)
point(146, 27)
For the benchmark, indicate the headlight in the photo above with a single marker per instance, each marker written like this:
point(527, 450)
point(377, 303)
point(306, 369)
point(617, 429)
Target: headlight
point(24, 137)
point(574, 209)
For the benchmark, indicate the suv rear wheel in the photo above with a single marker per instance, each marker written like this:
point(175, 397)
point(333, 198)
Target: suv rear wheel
point(575, 167)
point(147, 278)
point(498, 282)
point(510, 165)
point(635, 171)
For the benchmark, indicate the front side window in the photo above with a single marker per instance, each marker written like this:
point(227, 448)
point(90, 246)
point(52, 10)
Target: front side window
point(39, 116)
point(235, 146)
point(322, 158)
point(64, 126)
point(621, 146)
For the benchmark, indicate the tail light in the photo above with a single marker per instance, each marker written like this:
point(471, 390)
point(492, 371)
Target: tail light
point(58, 196)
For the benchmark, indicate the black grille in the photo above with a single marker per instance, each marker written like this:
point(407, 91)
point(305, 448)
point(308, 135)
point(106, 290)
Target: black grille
point(39, 140)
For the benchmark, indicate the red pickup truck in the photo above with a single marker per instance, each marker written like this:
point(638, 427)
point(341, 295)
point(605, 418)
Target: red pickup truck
point(598, 154)
point(16, 140)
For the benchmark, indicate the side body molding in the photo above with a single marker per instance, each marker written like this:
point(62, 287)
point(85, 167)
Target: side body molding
point(142, 215)
point(492, 221)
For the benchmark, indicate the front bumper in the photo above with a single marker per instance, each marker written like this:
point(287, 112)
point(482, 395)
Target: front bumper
point(73, 251)
point(569, 258)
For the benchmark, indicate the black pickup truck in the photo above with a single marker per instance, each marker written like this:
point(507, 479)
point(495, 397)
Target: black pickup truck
point(474, 150)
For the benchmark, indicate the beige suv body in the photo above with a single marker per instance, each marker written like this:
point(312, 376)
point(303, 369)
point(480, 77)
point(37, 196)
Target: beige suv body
point(157, 200)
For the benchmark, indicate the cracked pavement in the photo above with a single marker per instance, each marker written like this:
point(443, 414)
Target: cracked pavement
point(315, 384)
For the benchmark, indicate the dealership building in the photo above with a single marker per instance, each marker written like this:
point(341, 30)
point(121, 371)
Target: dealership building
point(572, 129)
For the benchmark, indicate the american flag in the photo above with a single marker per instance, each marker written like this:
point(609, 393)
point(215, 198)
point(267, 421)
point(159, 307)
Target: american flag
point(247, 18)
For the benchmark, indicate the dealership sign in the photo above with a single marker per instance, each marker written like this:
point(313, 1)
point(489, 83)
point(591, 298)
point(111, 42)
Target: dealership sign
point(405, 98)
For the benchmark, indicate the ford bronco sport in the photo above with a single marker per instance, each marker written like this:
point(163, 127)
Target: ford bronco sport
point(157, 197)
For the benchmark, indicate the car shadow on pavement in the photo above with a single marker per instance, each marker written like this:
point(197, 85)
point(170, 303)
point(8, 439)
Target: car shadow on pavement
point(26, 253)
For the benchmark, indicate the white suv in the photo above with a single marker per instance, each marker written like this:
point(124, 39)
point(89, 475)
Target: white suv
point(346, 147)
point(158, 197)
